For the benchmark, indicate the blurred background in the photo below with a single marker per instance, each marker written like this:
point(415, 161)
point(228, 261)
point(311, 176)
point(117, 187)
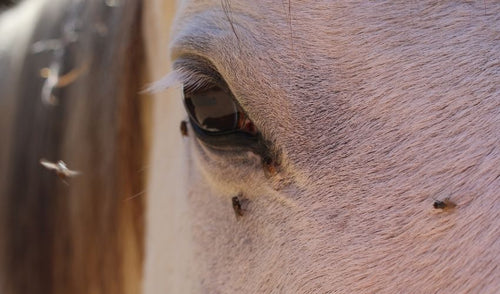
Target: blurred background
point(7, 3)
point(73, 146)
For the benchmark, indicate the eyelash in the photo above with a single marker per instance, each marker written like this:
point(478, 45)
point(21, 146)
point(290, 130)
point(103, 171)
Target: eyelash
point(189, 73)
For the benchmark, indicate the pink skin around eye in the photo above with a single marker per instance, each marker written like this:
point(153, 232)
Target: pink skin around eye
point(245, 124)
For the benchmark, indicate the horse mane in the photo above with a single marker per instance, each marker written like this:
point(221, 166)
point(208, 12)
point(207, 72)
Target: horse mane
point(85, 236)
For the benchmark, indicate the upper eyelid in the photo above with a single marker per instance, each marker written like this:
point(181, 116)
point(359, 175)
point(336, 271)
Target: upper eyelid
point(196, 74)
point(193, 81)
point(192, 73)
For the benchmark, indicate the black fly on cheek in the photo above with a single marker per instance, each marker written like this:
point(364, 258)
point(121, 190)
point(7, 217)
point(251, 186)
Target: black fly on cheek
point(239, 205)
point(444, 204)
point(438, 204)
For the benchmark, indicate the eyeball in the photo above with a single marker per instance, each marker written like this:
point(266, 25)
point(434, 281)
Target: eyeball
point(216, 112)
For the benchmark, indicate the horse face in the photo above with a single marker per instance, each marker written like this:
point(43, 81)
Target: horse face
point(367, 115)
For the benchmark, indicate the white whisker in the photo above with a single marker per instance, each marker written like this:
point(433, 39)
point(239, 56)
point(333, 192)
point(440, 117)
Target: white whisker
point(135, 195)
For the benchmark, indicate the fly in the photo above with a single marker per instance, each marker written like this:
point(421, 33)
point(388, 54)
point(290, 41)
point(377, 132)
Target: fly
point(444, 204)
point(60, 168)
point(239, 206)
point(184, 128)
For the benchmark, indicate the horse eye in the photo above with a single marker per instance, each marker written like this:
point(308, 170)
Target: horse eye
point(214, 112)
point(217, 118)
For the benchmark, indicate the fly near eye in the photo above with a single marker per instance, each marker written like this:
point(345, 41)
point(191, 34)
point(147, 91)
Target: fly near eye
point(216, 112)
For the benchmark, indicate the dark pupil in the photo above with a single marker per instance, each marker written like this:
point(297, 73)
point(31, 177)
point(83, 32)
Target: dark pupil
point(213, 110)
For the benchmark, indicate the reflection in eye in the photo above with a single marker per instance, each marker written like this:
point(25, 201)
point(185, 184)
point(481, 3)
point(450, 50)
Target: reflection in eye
point(216, 112)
